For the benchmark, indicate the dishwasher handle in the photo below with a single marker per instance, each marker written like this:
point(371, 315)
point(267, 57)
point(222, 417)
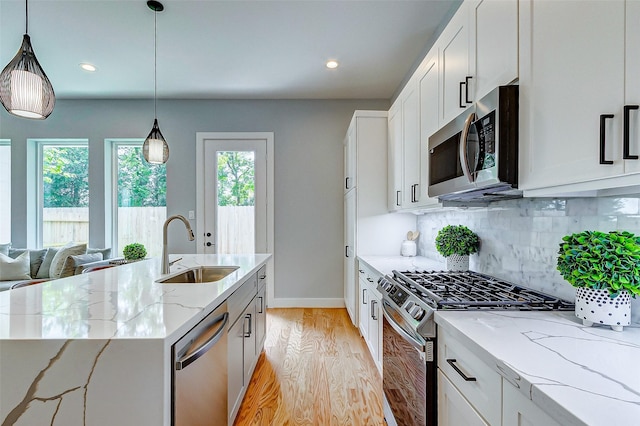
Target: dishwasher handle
point(185, 361)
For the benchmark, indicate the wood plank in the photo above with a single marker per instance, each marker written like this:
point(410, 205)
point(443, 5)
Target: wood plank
point(315, 370)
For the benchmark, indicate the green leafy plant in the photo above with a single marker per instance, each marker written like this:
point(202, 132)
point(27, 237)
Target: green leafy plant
point(457, 239)
point(134, 251)
point(601, 261)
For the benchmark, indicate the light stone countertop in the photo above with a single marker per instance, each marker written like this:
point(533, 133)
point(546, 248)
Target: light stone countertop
point(578, 375)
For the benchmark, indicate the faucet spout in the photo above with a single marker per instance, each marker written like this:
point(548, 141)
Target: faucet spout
point(165, 254)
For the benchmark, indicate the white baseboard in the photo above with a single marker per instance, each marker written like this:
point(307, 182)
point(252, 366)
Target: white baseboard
point(306, 303)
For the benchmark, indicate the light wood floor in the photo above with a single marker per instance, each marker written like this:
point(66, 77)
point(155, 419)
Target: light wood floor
point(315, 370)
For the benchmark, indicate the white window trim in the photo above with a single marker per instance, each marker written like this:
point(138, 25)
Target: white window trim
point(7, 142)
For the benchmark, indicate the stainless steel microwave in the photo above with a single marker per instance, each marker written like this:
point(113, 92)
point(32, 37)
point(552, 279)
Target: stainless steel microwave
point(475, 156)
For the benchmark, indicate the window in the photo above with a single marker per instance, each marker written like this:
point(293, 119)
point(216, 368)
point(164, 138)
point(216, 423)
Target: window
point(64, 192)
point(5, 191)
point(141, 190)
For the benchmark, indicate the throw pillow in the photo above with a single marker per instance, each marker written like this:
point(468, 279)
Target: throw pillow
point(73, 261)
point(106, 252)
point(15, 269)
point(43, 271)
point(36, 257)
point(4, 248)
point(58, 260)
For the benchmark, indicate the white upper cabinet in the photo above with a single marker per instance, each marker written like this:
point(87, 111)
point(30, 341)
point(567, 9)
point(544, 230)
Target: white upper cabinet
point(350, 160)
point(573, 96)
point(429, 91)
point(455, 73)
point(410, 98)
point(494, 44)
point(395, 157)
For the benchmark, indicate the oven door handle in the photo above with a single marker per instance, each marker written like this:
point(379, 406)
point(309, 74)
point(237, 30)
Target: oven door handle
point(398, 328)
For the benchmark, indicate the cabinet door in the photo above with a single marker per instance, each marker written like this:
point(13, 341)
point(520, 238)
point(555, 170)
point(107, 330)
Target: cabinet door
point(453, 408)
point(349, 255)
point(411, 144)
point(350, 160)
point(249, 344)
point(261, 318)
point(428, 90)
point(453, 45)
point(375, 330)
point(632, 88)
point(235, 367)
point(363, 318)
point(521, 411)
point(572, 72)
point(395, 157)
point(494, 27)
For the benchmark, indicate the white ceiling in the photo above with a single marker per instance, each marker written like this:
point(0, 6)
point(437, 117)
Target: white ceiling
point(225, 49)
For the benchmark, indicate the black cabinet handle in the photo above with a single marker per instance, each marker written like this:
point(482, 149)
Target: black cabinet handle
point(466, 88)
point(452, 363)
point(208, 234)
point(603, 120)
point(414, 193)
point(261, 305)
point(460, 102)
point(247, 333)
point(398, 198)
point(364, 294)
point(346, 251)
point(209, 244)
point(361, 271)
point(625, 154)
point(373, 310)
point(346, 183)
point(369, 279)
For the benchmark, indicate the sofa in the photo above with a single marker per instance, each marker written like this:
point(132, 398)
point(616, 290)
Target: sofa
point(20, 265)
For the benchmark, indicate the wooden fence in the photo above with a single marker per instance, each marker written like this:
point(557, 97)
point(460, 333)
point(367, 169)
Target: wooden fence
point(144, 225)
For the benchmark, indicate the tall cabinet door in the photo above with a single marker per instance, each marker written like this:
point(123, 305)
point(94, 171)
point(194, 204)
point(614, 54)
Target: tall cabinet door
point(572, 75)
point(454, 66)
point(395, 157)
point(411, 141)
point(632, 87)
point(429, 91)
point(350, 287)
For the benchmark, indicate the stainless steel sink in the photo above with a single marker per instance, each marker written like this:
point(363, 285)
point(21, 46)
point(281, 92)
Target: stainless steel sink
point(198, 275)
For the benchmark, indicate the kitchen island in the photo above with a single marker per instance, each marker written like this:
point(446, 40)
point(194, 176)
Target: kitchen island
point(95, 349)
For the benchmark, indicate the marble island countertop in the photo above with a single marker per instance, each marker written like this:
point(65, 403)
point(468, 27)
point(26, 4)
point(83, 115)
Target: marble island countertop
point(119, 303)
point(578, 375)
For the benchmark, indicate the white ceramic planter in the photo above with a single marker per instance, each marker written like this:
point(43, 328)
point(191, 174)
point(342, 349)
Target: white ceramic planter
point(594, 306)
point(455, 262)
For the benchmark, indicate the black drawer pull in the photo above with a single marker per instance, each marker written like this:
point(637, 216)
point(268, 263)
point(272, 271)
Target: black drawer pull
point(603, 120)
point(452, 363)
point(626, 155)
point(398, 198)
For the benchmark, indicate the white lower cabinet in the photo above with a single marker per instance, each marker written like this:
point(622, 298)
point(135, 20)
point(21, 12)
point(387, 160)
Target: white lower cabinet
point(453, 408)
point(370, 323)
point(518, 410)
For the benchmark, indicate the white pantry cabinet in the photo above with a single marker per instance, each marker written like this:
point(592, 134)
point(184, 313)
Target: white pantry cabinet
point(574, 63)
point(517, 410)
point(350, 287)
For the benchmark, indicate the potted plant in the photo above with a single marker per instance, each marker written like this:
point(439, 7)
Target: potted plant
point(134, 251)
point(605, 269)
point(456, 243)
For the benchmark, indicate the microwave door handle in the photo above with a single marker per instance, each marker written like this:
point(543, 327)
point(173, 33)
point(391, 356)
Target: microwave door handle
point(464, 161)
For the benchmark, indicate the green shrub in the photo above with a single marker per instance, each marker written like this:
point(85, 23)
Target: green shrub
point(457, 239)
point(134, 251)
point(601, 261)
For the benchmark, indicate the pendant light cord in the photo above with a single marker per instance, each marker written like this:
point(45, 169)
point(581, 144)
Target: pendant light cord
point(155, 64)
point(26, 16)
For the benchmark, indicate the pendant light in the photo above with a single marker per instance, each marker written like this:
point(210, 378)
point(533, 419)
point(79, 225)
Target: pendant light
point(25, 90)
point(155, 148)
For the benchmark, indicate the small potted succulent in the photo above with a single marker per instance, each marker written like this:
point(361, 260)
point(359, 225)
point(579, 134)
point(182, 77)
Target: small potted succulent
point(456, 243)
point(134, 251)
point(605, 269)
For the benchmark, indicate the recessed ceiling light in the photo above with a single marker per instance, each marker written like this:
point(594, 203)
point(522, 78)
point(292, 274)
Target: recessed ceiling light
point(88, 67)
point(332, 64)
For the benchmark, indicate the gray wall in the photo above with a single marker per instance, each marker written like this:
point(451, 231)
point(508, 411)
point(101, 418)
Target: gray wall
point(308, 171)
point(519, 239)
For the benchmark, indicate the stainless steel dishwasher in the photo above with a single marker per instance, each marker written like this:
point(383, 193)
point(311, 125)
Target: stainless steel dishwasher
point(199, 379)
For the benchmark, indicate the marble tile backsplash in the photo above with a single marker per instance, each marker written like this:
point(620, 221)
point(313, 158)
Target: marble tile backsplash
point(520, 238)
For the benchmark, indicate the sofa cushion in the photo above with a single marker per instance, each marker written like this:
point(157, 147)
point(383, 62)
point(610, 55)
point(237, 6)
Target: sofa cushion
point(65, 251)
point(73, 261)
point(43, 271)
point(35, 258)
point(15, 269)
point(4, 248)
point(106, 252)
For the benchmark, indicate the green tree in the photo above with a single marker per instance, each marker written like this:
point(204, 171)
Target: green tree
point(140, 184)
point(65, 176)
point(236, 178)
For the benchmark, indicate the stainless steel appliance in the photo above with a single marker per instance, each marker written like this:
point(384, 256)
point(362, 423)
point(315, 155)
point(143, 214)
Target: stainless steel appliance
point(475, 156)
point(199, 392)
point(409, 300)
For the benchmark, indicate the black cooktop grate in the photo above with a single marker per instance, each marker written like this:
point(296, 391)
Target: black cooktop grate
point(473, 290)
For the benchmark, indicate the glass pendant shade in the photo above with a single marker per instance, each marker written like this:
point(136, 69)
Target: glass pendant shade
point(25, 90)
point(155, 148)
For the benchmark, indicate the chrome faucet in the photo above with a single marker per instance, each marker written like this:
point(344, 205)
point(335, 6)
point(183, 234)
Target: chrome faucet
point(165, 255)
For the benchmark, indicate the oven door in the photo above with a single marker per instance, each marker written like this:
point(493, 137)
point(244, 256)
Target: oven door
point(408, 372)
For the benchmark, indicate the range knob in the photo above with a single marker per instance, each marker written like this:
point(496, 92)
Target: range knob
point(416, 312)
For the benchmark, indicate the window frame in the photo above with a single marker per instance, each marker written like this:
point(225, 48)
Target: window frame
point(7, 142)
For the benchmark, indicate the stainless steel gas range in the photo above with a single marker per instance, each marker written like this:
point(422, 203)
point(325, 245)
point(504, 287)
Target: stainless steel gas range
point(409, 300)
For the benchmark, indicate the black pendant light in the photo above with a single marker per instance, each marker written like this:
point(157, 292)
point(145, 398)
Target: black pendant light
point(155, 148)
point(25, 90)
